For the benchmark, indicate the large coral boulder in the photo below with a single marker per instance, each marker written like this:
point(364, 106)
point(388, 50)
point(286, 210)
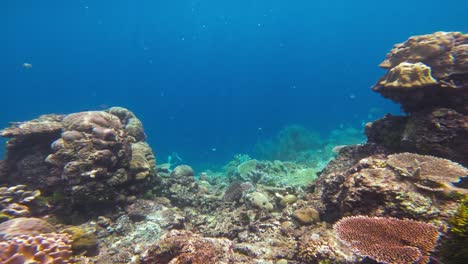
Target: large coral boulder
point(403, 185)
point(427, 71)
point(87, 157)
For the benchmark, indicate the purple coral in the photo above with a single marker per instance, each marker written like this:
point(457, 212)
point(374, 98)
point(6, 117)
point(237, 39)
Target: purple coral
point(388, 240)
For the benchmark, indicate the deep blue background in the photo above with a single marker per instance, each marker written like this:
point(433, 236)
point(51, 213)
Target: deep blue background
point(208, 74)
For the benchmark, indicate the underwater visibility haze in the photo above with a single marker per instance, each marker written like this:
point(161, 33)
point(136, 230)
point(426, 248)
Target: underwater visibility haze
point(209, 79)
point(225, 132)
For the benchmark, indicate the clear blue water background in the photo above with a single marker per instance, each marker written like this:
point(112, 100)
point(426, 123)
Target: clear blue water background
point(208, 74)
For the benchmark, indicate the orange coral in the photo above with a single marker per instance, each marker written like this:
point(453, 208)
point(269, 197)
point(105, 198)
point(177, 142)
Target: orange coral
point(44, 248)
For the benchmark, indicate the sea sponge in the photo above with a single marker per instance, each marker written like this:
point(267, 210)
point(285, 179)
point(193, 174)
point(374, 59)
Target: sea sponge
point(408, 75)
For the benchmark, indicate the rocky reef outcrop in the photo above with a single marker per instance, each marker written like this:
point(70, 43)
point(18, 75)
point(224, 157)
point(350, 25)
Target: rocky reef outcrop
point(427, 71)
point(428, 76)
point(81, 158)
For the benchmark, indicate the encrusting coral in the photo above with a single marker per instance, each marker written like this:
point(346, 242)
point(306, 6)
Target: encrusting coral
point(388, 240)
point(408, 75)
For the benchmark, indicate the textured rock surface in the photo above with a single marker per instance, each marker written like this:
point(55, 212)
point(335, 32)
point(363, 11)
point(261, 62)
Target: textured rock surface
point(28, 145)
point(419, 189)
point(186, 247)
point(440, 132)
point(88, 157)
point(427, 71)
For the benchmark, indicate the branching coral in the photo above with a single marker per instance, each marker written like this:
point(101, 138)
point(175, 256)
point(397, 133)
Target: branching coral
point(388, 240)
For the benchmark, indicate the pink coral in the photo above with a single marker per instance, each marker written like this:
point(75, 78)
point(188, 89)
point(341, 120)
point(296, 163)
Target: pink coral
point(388, 240)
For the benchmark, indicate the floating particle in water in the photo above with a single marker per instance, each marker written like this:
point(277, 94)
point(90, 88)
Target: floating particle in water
point(27, 65)
point(213, 149)
point(352, 96)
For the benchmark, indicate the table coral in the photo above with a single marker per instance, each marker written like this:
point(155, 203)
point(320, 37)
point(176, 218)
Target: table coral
point(388, 240)
point(429, 173)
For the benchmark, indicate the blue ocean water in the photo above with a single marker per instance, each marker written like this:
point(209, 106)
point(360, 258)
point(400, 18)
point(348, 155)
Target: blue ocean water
point(211, 78)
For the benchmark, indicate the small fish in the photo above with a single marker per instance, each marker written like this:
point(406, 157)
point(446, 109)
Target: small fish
point(27, 65)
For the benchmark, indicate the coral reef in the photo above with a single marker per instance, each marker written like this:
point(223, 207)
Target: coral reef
point(183, 247)
point(179, 186)
point(453, 249)
point(388, 240)
point(276, 173)
point(440, 132)
point(24, 226)
point(427, 71)
point(27, 147)
point(14, 200)
point(408, 75)
point(95, 168)
point(44, 248)
point(89, 157)
point(421, 187)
